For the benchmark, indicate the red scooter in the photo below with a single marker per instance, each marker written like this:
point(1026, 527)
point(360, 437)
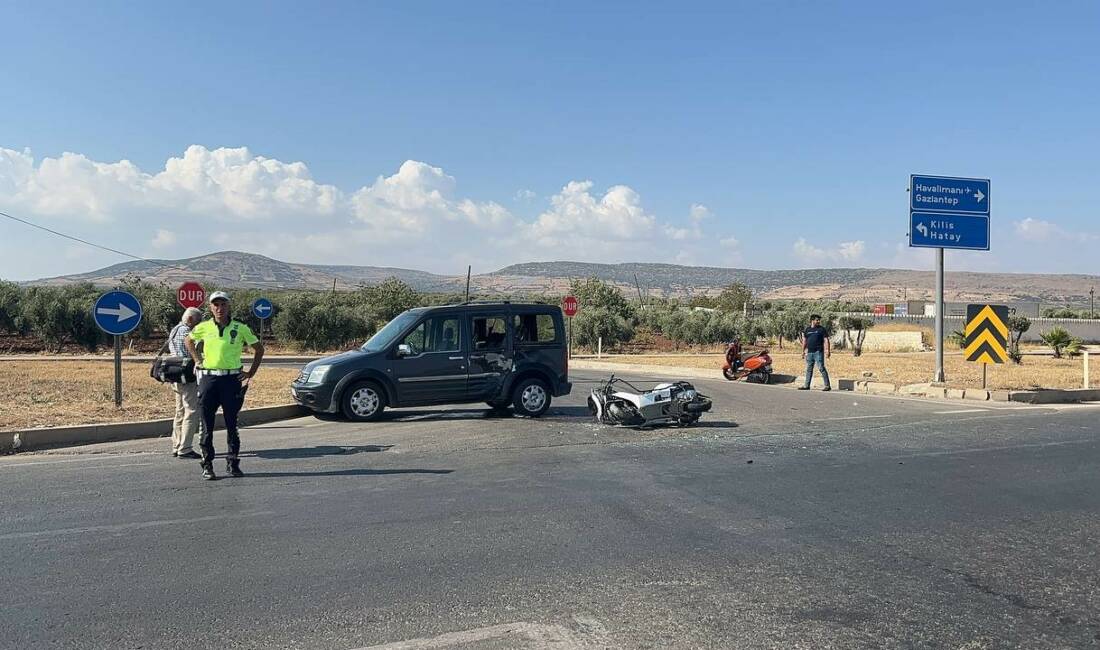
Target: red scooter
point(753, 367)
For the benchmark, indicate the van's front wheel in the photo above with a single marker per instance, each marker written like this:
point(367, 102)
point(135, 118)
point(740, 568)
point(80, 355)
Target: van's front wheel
point(363, 402)
point(531, 397)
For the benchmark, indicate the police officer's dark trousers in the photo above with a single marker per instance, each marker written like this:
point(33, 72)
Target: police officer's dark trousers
point(220, 391)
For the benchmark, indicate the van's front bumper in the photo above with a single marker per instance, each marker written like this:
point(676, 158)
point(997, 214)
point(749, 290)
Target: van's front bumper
point(317, 397)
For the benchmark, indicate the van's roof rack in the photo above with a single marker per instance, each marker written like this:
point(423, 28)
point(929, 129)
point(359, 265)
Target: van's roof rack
point(486, 302)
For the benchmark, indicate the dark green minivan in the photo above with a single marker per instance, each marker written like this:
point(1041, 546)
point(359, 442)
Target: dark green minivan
point(503, 354)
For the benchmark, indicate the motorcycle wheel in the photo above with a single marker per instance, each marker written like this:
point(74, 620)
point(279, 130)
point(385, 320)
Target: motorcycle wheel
point(759, 378)
point(729, 374)
point(689, 419)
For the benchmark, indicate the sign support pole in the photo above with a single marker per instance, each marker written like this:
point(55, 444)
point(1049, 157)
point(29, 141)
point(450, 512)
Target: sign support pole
point(118, 371)
point(985, 367)
point(939, 377)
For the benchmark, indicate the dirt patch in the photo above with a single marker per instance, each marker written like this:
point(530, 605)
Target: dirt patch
point(903, 368)
point(60, 393)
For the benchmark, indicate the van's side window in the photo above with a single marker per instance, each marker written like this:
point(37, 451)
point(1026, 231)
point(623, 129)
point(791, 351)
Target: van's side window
point(489, 332)
point(434, 335)
point(535, 328)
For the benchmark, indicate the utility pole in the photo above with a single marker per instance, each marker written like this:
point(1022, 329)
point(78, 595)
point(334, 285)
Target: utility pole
point(469, 269)
point(1092, 302)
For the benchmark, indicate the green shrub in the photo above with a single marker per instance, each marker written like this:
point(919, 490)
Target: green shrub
point(591, 325)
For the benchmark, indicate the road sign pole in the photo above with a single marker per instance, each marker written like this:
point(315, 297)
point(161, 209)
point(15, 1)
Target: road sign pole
point(569, 345)
point(985, 367)
point(118, 371)
point(939, 377)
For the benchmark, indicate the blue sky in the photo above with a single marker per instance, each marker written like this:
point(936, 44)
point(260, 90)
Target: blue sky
point(766, 135)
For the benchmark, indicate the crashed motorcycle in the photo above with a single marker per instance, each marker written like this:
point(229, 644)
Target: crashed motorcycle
point(617, 401)
point(753, 367)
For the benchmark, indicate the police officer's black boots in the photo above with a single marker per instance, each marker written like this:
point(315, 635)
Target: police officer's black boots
point(233, 466)
point(208, 472)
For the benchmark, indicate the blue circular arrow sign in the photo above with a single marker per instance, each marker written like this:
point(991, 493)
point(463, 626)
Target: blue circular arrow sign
point(262, 308)
point(117, 312)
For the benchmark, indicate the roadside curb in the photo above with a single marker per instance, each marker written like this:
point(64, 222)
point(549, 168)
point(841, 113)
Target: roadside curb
point(34, 439)
point(1038, 396)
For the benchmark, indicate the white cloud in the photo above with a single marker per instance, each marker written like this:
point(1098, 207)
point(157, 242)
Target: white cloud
point(164, 239)
point(851, 251)
point(1038, 230)
point(698, 213)
point(616, 216)
point(1035, 229)
point(848, 252)
point(525, 195)
point(209, 199)
point(222, 183)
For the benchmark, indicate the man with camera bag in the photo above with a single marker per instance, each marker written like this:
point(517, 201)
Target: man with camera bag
point(185, 424)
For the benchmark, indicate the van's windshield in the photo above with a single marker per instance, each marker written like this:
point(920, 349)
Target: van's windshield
point(385, 337)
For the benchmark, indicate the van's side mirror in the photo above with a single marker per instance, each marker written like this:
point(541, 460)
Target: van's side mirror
point(404, 350)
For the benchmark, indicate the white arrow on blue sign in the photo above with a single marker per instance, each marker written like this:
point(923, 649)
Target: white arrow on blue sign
point(117, 312)
point(962, 231)
point(948, 194)
point(262, 308)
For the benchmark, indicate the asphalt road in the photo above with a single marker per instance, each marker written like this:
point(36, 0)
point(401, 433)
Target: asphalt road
point(783, 520)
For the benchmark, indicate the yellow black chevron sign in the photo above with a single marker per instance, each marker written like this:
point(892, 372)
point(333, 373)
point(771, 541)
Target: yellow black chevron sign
point(986, 333)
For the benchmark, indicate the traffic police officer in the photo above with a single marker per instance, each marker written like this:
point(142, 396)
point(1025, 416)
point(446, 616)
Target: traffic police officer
point(222, 381)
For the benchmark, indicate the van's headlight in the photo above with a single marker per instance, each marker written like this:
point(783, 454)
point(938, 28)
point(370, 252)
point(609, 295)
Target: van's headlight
point(318, 374)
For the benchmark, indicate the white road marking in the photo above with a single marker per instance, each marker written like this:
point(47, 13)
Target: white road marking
point(961, 411)
point(980, 450)
point(117, 528)
point(854, 417)
point(515, 635)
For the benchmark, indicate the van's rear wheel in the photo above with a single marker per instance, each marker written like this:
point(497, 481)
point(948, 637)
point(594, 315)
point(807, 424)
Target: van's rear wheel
point(531, 397)
point(363, 402)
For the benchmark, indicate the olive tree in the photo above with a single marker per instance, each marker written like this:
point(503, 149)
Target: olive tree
point(594, 293)
point(734, 297)
point(10, 296)
point(1017, 325)
point(860, 326)
point(591, 325)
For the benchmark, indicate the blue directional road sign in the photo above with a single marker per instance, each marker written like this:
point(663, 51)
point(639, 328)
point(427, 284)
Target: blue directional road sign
point(262, 308)
point(117, 312)
point(948, 194)
point(949, 212)
point(934, 230)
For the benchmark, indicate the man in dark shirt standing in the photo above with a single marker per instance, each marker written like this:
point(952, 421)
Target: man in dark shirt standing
point(815, 349)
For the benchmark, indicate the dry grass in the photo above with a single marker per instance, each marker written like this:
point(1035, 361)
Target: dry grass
point(59, 393)
point(905, 368)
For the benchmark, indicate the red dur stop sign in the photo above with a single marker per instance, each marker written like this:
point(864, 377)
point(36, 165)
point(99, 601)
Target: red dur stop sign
point(569, 306)
point(190, 294)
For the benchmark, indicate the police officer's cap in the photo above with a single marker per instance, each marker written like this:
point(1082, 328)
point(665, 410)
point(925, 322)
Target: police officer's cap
point(219, 295)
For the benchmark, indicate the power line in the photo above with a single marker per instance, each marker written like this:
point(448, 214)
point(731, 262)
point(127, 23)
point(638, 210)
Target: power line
point(92, 244)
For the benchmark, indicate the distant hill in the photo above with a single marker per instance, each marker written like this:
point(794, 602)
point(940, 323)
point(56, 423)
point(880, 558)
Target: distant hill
point(248, 270)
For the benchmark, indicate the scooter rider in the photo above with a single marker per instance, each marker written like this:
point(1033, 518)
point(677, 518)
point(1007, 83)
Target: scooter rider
point(222, 382)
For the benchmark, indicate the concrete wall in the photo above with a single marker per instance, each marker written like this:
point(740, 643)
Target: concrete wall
point(1086, 330)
